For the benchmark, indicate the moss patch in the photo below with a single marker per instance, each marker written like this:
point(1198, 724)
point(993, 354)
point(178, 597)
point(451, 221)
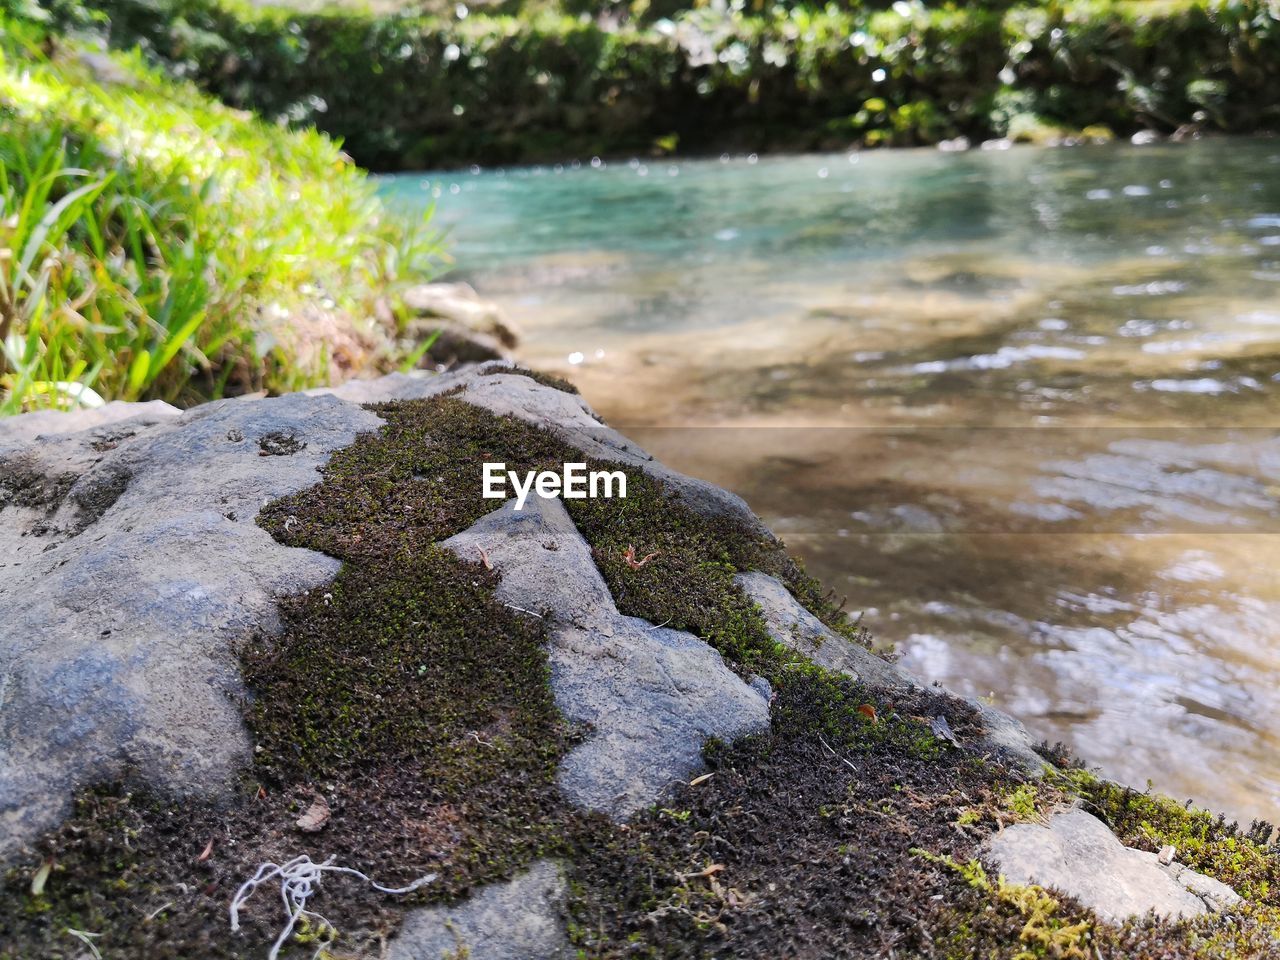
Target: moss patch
point(689, 583)
point(799, 843)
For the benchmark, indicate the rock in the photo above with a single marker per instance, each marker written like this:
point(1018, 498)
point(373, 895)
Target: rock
point(1007, 734)
point(1217, 896)
point(455, 344)
point(28, 426)
point(762, 686)
point(131, 565)
point(131, 568)
point(517, 920)
point(793, 626)
point(460, 303)
point(650, 695)
point(1075, 853)
point(117, 535)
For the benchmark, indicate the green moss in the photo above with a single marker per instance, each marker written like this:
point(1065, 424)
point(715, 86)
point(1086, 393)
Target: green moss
point(1045, 932)
point(1024, 802)
point(689, 585)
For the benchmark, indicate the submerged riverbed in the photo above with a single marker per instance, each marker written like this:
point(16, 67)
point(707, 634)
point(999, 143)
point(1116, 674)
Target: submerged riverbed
point(1021, 406)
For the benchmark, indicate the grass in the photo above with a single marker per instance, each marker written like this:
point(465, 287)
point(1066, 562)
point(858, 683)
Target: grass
point(156, 244)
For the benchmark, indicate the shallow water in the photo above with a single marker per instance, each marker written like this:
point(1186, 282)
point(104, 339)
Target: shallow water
point(1021, 406)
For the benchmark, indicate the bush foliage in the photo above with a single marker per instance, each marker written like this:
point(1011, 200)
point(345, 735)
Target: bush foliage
point(521, 82)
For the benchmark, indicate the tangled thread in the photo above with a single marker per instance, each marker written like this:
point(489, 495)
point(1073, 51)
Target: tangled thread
point(299, 879)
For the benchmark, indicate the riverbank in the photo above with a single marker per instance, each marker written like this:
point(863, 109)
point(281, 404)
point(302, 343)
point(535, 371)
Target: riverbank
point(523, 83)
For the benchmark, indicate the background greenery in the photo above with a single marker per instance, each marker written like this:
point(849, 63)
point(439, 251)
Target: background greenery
point(413, 85)
point(155, 243)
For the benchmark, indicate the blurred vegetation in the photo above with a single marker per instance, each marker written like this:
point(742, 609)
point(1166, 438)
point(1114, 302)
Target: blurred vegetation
point(155, 243)
point(410, 85)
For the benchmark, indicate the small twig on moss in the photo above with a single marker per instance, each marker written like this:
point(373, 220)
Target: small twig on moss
point(157, 911)
point(512, 606)
point(845, 760)
point(710, 871)
point(299, 879)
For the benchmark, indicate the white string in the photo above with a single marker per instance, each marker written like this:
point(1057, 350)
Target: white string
point(299, 879)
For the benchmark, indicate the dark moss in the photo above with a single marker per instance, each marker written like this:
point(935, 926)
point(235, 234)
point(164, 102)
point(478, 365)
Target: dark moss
point(24, 482)
point(799, 844)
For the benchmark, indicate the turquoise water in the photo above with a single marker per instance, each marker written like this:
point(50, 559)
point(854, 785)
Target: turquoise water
point(1020, 405)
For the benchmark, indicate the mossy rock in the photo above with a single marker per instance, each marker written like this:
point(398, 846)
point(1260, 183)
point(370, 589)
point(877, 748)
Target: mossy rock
point(611, 703)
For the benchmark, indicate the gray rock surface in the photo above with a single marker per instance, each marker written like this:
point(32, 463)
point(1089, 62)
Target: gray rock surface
point(517, 920)
point(793, 626)
point(1076, 853)
point(1007, 734)
point(652, 696)
point(28, 426)
point(130, 563)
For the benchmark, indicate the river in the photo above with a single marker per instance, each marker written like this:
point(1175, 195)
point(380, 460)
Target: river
point(1020, 405)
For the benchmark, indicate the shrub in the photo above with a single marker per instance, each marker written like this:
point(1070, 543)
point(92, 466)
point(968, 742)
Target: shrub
point(412, 89)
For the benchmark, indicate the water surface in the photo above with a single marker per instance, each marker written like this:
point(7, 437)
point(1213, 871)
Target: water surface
point(1020, 406)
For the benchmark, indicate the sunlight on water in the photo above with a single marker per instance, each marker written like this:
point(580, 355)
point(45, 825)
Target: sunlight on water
point(1020, 406)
